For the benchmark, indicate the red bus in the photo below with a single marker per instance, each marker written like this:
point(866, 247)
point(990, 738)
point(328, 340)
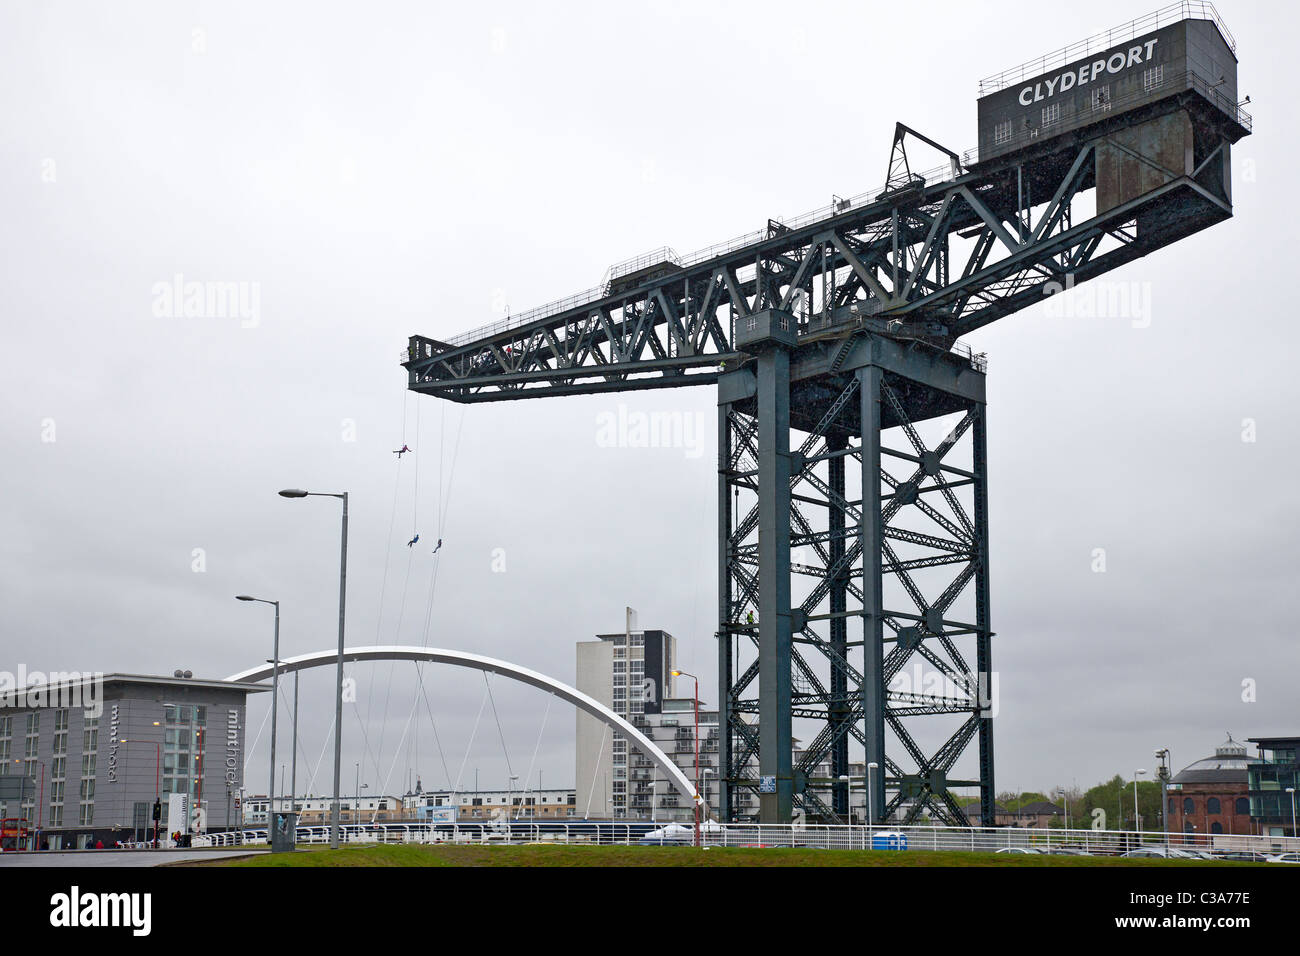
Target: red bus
point(14, 833)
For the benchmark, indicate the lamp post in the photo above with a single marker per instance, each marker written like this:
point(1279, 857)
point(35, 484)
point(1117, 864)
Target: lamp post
point(275, 689)
point(198, 805)
point(1291, 790)
point(338, 693)
point(293, 776)
point(1065, 802)
point(1137, 822)
point(40, 801)
point(706, 771)
point(871, 794)
point(510, 800)
point(696, 696)
point(157, 778)
point(1163, 773)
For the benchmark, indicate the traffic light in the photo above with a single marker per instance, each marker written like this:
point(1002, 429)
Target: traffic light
point(157, 811)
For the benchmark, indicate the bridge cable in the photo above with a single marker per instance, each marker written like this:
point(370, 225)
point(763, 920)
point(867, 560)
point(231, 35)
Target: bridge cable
point(248, 753)
point(397, 751)
point(441, 756)
point(537, 746)
point(311, 784)
point(600, 755)
point(474, 733)
point(509, 769)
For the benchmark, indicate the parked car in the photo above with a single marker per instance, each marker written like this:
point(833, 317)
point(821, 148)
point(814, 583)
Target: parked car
point(1019, 849)
point(1243, 856)
point(1161, 853)
point(1291, 857)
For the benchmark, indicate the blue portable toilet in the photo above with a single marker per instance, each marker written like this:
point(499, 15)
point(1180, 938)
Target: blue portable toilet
point(891, 840)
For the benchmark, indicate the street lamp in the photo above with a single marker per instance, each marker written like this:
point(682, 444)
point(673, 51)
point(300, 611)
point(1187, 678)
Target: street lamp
point(275, 688)
point(696, 695)
point(1137, 823)
point(510, 797)
point(157, 781)
point(1163, 772)
point(201, 771)
point(1065, 802)
point(1291, 790)
point(848, 782)
point(40, 802)
point(706, 771)
point(338, 694)
point(293, 776)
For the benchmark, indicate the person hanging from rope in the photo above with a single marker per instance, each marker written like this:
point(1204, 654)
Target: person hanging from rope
point(411, 543)
point(402, 451)
point(438, 546)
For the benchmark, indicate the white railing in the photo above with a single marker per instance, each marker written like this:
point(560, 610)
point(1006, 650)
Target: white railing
point(1163, 17)
point(827, 837)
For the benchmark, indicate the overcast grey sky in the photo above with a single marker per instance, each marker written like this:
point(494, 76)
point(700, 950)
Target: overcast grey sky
point(382, 169)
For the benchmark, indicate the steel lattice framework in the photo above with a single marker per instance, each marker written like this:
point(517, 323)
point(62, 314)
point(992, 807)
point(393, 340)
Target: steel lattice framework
point(832, 340)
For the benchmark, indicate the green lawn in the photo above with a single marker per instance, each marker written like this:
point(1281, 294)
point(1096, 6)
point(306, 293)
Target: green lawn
point(399, 854)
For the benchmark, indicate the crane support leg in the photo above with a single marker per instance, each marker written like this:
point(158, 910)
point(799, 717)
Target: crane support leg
point(853, 522)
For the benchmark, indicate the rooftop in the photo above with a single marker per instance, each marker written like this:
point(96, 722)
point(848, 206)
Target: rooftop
point(1226, 766)
point(1165, 16)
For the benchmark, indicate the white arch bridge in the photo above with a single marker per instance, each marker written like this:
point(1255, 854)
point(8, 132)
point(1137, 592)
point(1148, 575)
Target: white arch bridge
point(434, 655)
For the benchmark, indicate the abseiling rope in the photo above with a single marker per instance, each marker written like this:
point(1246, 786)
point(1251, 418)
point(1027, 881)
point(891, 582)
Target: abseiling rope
point(406, 581)
point(388, 551)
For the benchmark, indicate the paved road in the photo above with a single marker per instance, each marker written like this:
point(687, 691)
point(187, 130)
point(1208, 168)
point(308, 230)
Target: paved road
point(103, 858)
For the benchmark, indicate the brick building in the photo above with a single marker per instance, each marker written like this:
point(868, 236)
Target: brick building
point(1210, 795)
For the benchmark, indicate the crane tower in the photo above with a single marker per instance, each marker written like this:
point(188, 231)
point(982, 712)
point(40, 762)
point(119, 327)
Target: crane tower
point(853, 538)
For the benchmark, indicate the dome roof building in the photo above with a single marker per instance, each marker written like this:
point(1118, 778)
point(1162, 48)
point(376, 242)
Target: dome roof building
point(1228, 765)
point(1208, 797)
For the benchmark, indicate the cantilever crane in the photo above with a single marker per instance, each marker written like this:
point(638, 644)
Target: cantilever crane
point(830, 333)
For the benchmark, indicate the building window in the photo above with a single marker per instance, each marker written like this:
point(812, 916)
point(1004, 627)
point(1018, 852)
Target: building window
point(181, 767)
point(1216, 827)
point(90, 743)
point(1002, 133)
point(1212, 805)
point(1189, 805)
point(1051, 114)
point(1101, 99)
point(751, 324)
point(1243, 806)
point(1153, 78)
point(32, 743)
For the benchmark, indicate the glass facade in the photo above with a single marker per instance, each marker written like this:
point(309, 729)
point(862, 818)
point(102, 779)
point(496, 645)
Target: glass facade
point(184, 729)
point(1274, 777)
